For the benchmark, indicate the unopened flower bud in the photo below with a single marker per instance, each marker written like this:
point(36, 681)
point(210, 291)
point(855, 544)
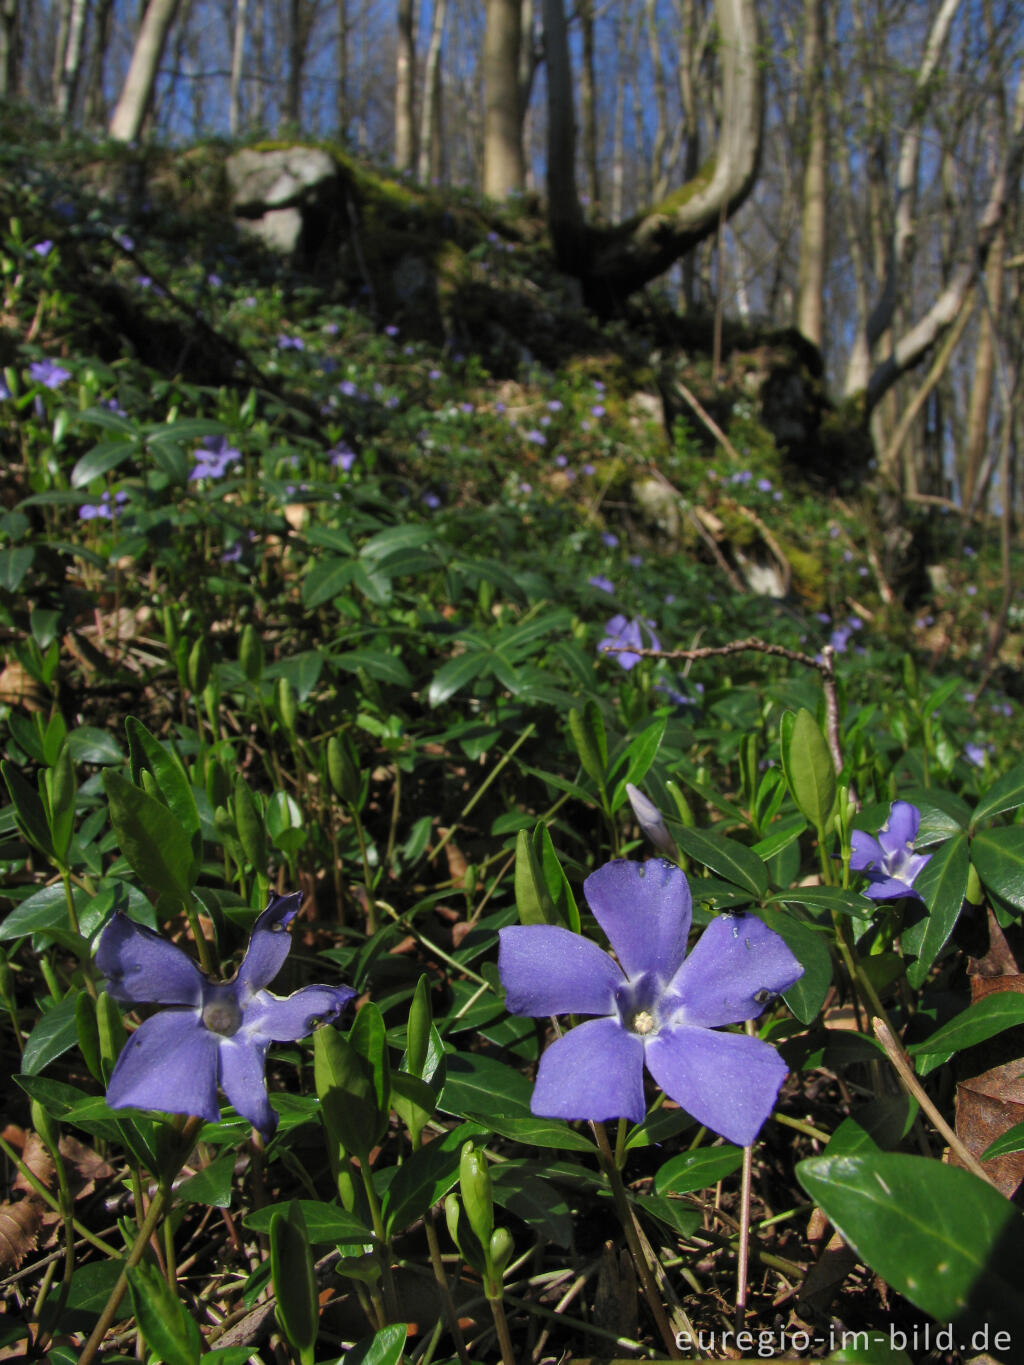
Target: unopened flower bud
point(652, 822)
point(477, 1199)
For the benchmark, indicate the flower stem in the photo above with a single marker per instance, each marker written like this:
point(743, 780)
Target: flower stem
point(383, 1246)
point(627, 1219)
point(508, 1355)
point(149, 1223)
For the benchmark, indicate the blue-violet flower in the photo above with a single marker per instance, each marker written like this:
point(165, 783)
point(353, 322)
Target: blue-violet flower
point(889, 862)
point(625, 634)
point(657, 1006)
point(217, 1032)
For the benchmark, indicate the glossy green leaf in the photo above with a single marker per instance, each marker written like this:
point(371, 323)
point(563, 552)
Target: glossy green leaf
point(55, 1033)
point(90, 744)
point(998, 855)
point(538, 1132)
point(151, 837)
point(1010, 1141)
point(166, 1326)
point(452, 676)
point(291, 1269)
point(698, 1169)
point(45, 909)
point(734, 861)
point(324, 1222)
point(677, 1214)
point(211, 1185)
point(15, 562)
point(983, 1019)
point(327, 579)
point(427, 1176)
point(522, 1188)
point(829, 898)
point(807, 763)
point(588, 734)
point(476, 1084)
point(383, 1348)
point(376, 664)
point(942, 883)
point(809, 946)
point(1006, 794)
point(28, 808)
point(560, 893)
point(937, 1234)
point(638, 757)
point(344, 1085)
point(533, 900)
point(100, 460)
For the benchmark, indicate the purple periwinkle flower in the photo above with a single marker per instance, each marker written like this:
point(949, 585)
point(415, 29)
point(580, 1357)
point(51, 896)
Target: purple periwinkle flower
point(342, 457)
point(657, 1007)
point(598, 410)
point(391, 331)
point(432, 501)
point(287, 343)
point(610, 539)
point(976, 754)
point(43, 248)
point(535, 437)
point(627, 634)
point(48, 373)
point(216, 1032)
point(652, 822)
point(5, 391)
point(889, 862)
point(213, 457)
point(602, 583)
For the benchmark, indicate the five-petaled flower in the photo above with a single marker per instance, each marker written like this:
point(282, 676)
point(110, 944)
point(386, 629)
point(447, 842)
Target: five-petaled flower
point(658, 1007)
point(889, 862)
point(217, 1032)
point(626, 634)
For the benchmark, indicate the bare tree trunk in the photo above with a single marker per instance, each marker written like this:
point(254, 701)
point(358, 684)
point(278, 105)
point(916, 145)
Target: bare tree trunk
point(10, 47)
point(657, 174)
point(71, 64)
point(504, 166)
point(60, 47)
point(619, 122)
point(137, 92)
point(95, 101)
point(342, 106)
point(428, 170)
point(405, 87)
point(813, 233)
point(237, 68)
point(612, 262)
point(588, 106)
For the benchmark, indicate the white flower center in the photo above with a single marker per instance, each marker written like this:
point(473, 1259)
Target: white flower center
point(223, 1016)
point(643, 1023)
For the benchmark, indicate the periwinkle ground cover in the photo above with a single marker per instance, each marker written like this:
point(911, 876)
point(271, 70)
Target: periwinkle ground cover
point(293, 671)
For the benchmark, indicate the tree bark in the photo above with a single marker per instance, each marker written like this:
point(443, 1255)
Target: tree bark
point(405, 87)
point(237, 68)
point(588, 106)
point(504, 166)
point(10, 47)
point(813, 228)
point(342, 105)
point(137, 92)
point(429, 163)
point(95, 101)
point(612, 262)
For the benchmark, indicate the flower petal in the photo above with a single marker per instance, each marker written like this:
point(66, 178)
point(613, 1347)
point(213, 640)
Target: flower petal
point(243, 1080)
point(866, 851)
point(645, 910)
point(596, 1071)
point(269, 945)
point(548, 970)
point(884, 888)
point(284, 1018)
point(737, 960)
point(727, 1081)
point(141, 966)
point(168, 1063)
point(898, 833)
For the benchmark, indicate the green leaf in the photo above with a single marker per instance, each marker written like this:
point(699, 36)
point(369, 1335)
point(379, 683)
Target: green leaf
point(810, 948)
point(151, 837)
point(408, 536)
point(90, 744)
point(677, 1214)
point(870, 1348)
point(54, 1034)
point(538, 1132)
point(533, 899)
point(291, 1268)
point(454, 675)
point(523, 1189)
point(1006, 794)
point(211, 1185)
point(387, 668)
point(698, 1169)
point(383, 1348)
point(146, 751)
point(829, 898)
point(45, 909)
point(100, 460)
point(476, 1084)
point(166, 1327)
point(807, 763)
point(345, 1087)
point(639, 756)
point(426, 1177)
point(562, 900)
point(998, 855)
point(588, 733)
point(734, 861)
point(28, 808)
point(327, 579)
point(1010, 1141)
point(324, 1222)
point(984, 1019)
point(944, 1239)
point(942, 884)
point(15, 562)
